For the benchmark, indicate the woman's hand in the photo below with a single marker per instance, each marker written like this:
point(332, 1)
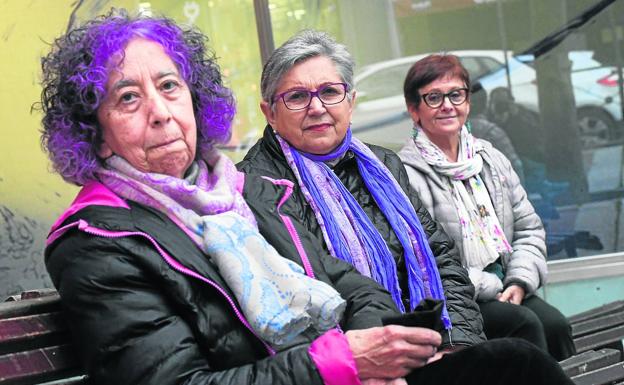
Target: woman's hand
point(442, 352)
point(382, 381)
point(513, 294)
point(392, 351)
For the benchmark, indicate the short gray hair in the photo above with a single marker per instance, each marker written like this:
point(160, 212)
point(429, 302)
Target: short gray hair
point(305, 45)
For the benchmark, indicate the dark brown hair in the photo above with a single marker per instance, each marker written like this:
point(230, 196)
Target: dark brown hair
point(429, 69)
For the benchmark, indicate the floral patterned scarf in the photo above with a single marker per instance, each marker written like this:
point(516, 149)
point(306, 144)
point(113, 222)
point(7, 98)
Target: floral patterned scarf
point(276, 296)
point(482, 235)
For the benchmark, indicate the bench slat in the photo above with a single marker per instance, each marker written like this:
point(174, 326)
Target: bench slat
point(20, 308)
point(30, 332)
point(610, 308)
point(45, 364)
point(599, 339)
point(606, 375)
point(589, 361)
point(593, 325)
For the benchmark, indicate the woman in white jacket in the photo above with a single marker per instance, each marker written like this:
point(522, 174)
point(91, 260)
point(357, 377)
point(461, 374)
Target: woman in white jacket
point(471, 189)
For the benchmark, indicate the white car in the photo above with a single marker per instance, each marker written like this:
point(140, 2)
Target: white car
point(380, 114)
point(598, 108)
point(598, 102)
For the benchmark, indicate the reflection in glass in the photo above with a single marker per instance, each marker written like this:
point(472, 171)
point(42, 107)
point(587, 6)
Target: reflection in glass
point(553, 85)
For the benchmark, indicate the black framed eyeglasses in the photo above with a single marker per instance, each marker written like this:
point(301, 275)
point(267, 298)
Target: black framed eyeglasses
point(436, 99)
point(300, 98)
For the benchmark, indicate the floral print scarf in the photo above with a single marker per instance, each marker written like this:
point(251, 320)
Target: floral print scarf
point(482, 234)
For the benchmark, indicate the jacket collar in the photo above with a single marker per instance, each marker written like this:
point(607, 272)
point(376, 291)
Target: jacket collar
point(93, 193)
point(410, 155)
point(271, 144)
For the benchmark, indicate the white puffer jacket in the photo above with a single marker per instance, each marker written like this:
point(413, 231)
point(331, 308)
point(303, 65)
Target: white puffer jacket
point(523, 228)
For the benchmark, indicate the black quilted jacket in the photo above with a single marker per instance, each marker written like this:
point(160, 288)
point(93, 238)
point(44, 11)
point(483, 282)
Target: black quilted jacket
point(266, 158)
point(137, 320)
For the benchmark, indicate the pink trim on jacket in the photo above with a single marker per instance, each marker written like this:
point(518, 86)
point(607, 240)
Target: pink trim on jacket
point(334, 360)
point(289, 224)
point(240, 182)
point(93, 193)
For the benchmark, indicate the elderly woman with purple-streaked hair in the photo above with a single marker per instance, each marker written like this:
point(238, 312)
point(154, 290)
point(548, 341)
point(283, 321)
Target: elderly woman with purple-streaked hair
point(75, 76)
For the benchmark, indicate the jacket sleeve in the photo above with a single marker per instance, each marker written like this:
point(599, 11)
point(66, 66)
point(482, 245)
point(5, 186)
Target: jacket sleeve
point(129, 332)
point(527, 262)
point(487, 285)
point(463, 310)
point(367, 301)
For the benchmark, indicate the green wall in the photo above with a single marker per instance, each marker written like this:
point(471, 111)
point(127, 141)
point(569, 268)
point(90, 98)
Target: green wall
point(574, 297)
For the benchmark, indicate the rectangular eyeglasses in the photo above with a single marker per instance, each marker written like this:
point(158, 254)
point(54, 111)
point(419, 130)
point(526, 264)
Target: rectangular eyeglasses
point(300, 98)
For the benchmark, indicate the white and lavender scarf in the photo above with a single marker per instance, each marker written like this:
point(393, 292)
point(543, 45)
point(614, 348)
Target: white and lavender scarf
point(348, 231)
point(275, 295)
point(482, 235)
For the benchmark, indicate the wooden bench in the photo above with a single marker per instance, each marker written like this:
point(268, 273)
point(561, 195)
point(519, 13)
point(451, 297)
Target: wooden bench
point(600, 328)
point(589, 361)
point(35, 345)
point(603, 328)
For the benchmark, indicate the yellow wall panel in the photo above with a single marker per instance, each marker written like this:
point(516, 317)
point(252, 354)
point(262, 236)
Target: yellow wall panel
point(26, 185)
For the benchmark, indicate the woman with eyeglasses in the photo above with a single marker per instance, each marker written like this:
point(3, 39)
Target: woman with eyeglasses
point(471, 189)
point(356, 199)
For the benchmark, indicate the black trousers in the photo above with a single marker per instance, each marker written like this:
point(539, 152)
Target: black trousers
point(534, 320)
point(507, 361)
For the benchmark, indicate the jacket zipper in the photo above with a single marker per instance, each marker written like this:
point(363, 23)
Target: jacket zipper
point(290, 227)
point(292, 231)
point(84, 226)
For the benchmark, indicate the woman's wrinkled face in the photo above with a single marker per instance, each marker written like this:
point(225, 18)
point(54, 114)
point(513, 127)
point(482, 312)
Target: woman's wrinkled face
point(147, 115)
point(445, 120)
point(319, 128)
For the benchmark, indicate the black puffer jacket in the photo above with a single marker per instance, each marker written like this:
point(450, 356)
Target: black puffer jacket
point(266, 158)
point(138, 320)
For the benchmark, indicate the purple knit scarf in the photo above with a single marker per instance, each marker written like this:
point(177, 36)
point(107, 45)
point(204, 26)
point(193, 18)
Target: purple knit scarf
point(348, 231)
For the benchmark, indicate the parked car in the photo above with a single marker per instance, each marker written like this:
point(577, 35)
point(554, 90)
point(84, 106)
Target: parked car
point(595, 87)
point(598, 102)
point(380, 114)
